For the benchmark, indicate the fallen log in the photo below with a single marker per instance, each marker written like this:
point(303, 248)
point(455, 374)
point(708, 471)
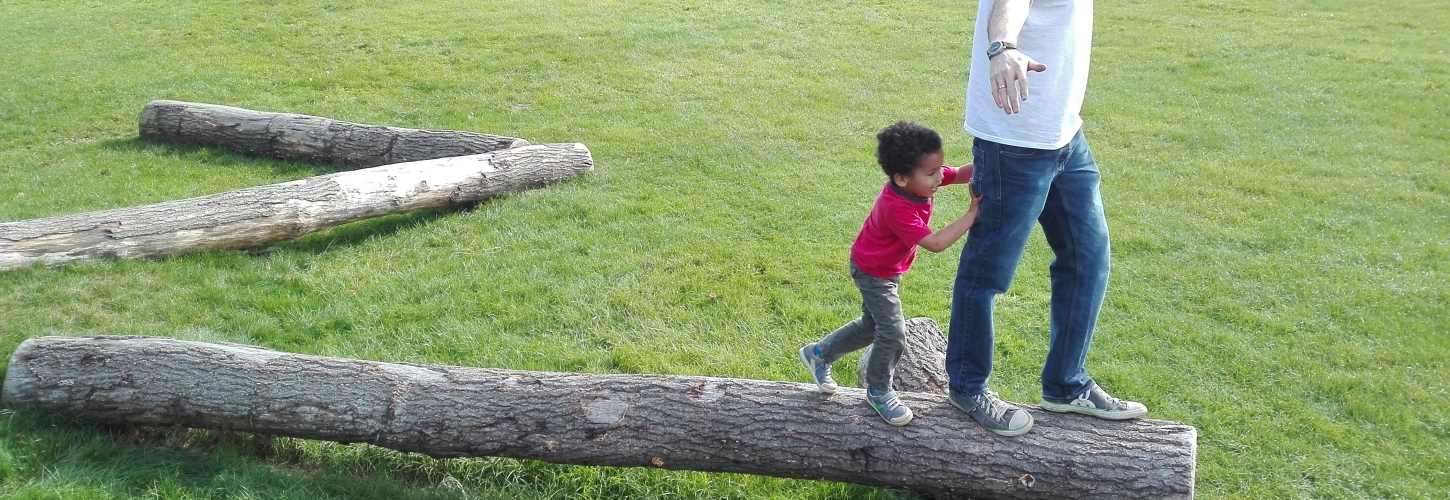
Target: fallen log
point(312, 138)
point(253, 216)
point(781, 429)
point(922, 368)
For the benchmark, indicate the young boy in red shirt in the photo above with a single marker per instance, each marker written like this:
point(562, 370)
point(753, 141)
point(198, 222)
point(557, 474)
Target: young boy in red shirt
point(911, 156)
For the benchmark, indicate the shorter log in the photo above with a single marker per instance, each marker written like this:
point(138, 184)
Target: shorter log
point(304, 137)
point(922, 367)
point(782, 429)
point(253, 216)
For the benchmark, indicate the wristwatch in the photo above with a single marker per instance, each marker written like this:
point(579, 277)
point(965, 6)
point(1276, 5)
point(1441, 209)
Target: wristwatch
point(997, 47)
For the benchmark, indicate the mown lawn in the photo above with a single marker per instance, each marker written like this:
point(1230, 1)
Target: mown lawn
point(1275, 176)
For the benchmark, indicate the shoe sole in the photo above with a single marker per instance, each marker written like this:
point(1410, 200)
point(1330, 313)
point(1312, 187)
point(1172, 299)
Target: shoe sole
point(812, 372)
point(1103, 414)
point(999, 432)
point(906, 419)
point(1008, 433)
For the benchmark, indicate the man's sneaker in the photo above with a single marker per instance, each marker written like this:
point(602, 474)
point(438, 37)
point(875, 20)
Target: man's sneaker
point(994, 414)
point(1096, 402)
point(889, 407)
point(819, 368)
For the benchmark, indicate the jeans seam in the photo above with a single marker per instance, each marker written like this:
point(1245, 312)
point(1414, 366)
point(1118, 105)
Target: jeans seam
point(1072, 235)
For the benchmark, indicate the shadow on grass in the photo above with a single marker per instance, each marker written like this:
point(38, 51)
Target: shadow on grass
point(294, 169)
point(45, 454)
point(354, 233)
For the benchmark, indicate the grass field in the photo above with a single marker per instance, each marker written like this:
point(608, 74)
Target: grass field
point(1275, 177)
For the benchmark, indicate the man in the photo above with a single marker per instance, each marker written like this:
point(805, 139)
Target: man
point(1032, 164)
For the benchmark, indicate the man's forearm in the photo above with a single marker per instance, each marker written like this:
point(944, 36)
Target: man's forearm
point(1007, 19)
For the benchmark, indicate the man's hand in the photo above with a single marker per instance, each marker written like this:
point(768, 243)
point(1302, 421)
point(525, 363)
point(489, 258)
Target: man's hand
point(1009, 78)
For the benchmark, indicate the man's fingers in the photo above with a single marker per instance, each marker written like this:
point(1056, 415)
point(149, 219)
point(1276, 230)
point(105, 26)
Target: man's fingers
point(999, 93)
point(1031, 66)
point(1010, 94)
point(1004, 95)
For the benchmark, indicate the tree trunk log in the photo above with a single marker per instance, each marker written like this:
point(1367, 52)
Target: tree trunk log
point(782, 429)
point(313, 138)
point(249, 217)
point(922, 367)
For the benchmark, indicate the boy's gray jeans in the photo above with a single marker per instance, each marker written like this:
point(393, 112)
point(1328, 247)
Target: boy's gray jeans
point(880, 326)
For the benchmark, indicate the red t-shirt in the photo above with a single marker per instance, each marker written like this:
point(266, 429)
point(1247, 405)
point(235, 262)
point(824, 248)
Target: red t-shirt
point(887, 243)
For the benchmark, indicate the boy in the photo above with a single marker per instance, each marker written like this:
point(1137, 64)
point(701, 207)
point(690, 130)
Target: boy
point(911, 156)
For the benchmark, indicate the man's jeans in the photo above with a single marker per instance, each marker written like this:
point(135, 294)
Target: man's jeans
point(880, 326)
point(1058, 189)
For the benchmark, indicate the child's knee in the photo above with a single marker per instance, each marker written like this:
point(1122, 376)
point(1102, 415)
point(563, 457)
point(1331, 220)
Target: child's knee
point(890, 341)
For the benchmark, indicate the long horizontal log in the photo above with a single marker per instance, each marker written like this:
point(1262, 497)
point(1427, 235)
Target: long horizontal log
point(253, 216)
point(696, 423)
point(313, 138)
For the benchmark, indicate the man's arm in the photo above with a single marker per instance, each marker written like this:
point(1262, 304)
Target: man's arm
point(1009, 68)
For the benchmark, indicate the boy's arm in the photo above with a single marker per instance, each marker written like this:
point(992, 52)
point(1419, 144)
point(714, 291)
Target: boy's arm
point(941, 240)
point(964, 174)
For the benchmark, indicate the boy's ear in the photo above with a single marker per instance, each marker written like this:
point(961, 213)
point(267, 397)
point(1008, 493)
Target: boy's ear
point(900, 180)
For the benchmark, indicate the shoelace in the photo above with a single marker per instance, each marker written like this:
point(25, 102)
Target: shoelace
point(892, 404)
point(994, 407)
point(1108, 400)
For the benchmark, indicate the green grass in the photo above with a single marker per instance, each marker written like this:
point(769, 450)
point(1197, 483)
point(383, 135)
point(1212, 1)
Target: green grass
point(1275, 177)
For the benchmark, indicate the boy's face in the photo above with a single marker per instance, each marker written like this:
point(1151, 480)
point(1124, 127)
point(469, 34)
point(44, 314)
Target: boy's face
point(924, 179)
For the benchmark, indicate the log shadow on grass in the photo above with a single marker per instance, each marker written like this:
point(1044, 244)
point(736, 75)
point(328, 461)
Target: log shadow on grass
point(354, 233)
point(48, 453)
point(205, 155)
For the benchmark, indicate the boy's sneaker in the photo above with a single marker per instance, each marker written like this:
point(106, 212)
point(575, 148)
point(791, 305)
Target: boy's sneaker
point(994, 414)
point(1096, 402)
point(889, 407)
point(819, 368)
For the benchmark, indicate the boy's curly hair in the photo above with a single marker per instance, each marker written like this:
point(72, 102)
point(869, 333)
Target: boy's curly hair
point(900, 146)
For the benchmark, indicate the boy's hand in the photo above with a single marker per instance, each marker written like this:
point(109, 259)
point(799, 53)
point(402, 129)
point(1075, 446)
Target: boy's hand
point(965, 172)
point(940, 240)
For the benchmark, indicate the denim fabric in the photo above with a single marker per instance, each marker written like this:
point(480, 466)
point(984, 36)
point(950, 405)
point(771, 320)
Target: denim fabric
point(880, 326)
point(1059, 190)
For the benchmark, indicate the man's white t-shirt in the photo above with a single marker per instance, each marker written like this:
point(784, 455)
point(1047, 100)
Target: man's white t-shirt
point(1057, 33)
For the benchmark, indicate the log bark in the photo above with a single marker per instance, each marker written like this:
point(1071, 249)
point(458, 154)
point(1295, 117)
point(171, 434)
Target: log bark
point(253, 216)
point(922, 367)
point(782, 429)
point(312, 138)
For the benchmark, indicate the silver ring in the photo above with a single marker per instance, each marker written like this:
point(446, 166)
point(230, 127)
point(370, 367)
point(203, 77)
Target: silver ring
point(1001, 86)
